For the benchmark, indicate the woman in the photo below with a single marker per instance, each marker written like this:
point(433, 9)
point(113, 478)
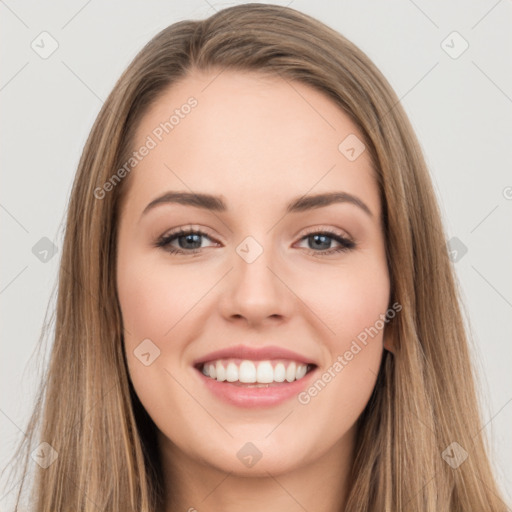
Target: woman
point(312, 354)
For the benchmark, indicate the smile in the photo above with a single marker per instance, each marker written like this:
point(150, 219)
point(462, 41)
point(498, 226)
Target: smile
point(247, 376)
point(255, 372)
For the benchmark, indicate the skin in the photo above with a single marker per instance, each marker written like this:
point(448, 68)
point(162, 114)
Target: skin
point(258, 142)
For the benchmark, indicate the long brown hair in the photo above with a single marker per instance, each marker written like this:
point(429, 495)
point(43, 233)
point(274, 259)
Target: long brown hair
point(425, 397)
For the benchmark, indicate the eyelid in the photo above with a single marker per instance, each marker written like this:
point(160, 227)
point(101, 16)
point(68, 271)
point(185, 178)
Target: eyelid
point(306, 232)
point(332, 229)
point(164, 239)
point(190, 228)
point(344, 239)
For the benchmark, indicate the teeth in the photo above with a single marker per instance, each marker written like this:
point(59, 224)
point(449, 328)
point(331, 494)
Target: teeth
point(291, 371)
point(232, 372)
point(248, 372)
point(279, 372)
point(221, 372)
point(265, 373)
point(301, 371)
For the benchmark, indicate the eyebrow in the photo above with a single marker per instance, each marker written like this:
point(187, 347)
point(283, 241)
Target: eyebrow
point(217, 204)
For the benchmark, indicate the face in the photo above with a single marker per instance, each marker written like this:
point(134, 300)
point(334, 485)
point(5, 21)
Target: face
point(280, 283)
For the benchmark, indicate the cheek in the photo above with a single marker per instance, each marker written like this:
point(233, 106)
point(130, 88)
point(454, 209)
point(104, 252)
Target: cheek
point(351, 301)
point(154, 303)
point(348, 298)
point(152, 299)
point(151, 306)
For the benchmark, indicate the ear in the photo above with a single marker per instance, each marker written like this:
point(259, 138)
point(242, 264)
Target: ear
point(388, 340)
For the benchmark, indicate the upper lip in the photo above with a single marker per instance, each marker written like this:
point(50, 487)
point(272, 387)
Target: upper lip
point(254, 354)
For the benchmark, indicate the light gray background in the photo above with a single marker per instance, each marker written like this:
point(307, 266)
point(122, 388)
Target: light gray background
point(460, 108)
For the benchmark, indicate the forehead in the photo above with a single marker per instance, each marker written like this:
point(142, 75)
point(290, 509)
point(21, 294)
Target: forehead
point(249, 137)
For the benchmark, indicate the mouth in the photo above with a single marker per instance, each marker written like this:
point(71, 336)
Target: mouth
point(248, 377)
point(255, 374)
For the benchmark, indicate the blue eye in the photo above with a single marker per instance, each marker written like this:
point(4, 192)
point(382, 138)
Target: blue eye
point(190, 242)
point(321, 239)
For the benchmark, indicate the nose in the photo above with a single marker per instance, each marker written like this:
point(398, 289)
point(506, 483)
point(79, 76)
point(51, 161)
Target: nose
point(255, 291)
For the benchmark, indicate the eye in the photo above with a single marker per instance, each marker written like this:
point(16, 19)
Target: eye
point(323, 240)
point(188, 241)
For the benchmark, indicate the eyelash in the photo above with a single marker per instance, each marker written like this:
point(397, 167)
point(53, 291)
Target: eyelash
point(165, 241)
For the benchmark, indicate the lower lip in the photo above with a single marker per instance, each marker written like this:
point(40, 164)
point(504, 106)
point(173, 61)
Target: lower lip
point(250, 397)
